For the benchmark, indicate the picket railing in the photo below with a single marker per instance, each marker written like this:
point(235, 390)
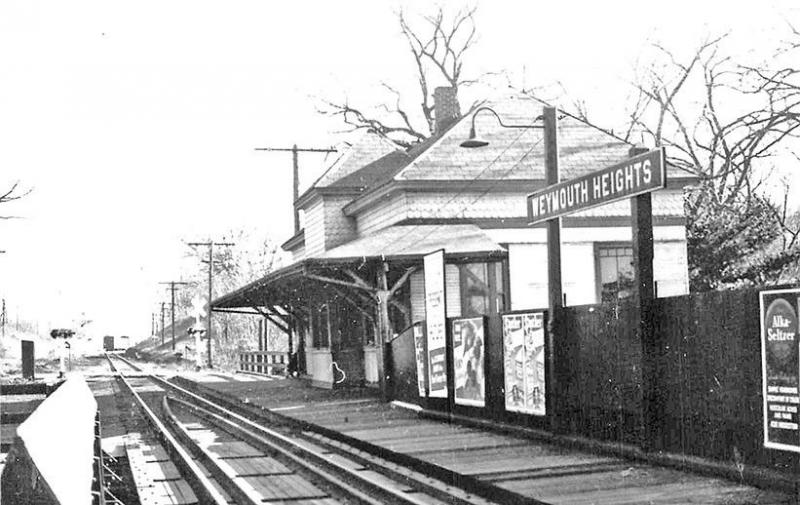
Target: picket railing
point(266, 362)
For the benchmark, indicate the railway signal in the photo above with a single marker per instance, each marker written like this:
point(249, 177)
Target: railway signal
point(210, 244)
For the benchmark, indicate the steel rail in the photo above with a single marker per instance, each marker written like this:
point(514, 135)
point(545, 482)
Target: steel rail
point(450, 478)
point(332, 480)
point(422, 482)
point(202, 486)
point(240, 495)
point(124, 360)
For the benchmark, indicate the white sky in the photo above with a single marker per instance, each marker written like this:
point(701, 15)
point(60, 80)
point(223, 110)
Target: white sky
point(135, 122)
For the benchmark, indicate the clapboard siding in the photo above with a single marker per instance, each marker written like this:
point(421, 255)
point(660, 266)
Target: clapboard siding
point(417, 283)
point(338, 227)
point(315, 228)
point(386, 213)
point(453, 288)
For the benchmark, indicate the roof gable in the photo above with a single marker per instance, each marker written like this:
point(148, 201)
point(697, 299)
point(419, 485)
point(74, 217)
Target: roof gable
point(368, 148)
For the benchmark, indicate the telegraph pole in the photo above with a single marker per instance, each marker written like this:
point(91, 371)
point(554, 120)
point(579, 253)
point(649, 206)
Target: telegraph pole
point(296, 172)
point(3, 319)
point(162, 322)
point(172, 287)
point(210, 244)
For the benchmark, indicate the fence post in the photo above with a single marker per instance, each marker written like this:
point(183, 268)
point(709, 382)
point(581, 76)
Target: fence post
point(642, 231)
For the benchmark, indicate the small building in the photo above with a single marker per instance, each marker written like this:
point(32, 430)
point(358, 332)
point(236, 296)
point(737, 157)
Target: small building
point(357, 268)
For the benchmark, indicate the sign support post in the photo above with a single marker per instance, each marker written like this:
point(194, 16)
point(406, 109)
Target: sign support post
point(644, 292)
point(555, 298)
point(633, 179)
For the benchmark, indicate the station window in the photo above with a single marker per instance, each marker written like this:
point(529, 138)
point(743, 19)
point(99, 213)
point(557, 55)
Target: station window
point(482, 289)
point(615, 277)
point(322, 327)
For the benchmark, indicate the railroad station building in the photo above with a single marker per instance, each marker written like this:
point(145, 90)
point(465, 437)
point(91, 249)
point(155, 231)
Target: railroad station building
point(357, 270)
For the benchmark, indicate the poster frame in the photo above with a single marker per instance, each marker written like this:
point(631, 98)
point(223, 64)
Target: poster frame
point(451, 327)
point(548, 408)
point(432, 319)
point(421, 352)
point(764, 379)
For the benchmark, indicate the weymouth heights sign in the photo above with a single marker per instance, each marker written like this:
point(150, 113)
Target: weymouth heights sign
point(640, 174)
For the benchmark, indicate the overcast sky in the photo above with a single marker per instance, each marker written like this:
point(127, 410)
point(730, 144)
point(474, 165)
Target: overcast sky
point(135, 123)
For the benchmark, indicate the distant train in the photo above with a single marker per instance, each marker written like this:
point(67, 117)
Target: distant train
point(112, 344)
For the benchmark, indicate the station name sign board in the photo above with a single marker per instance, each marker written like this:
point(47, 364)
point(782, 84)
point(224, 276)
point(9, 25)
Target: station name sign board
point(635, 176)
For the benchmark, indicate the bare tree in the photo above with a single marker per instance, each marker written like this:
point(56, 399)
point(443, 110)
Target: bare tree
point(438, 45)
point(687, 105)
point(14, 193)
point(253, 257)
point(723, 122)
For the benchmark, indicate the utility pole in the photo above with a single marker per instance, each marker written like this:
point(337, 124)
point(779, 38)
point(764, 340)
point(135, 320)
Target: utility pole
point(3, 319)
point(162, 322)
point(210, 244)
point(172, 287)
point(296, 173)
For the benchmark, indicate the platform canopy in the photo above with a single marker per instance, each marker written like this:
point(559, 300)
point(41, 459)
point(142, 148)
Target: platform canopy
point(399, 246)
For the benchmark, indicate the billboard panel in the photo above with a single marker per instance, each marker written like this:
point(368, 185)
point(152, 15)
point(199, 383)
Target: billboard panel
point(524, 357)
point(435, 323)
point(780, 368)
point(421, 354)
point(468, 361)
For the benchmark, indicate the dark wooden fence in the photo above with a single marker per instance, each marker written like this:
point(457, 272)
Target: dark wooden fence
point(706, 377)
point(600, 365)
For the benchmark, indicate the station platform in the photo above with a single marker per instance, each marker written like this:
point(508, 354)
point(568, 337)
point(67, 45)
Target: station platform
point(545, 471)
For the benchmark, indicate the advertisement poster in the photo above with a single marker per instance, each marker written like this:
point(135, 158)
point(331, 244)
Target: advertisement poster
point(468, 353)
point(435, 323)
point(780, 368)
point(523, 352)
point(420, 351)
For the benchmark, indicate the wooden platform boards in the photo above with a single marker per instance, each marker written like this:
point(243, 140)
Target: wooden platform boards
point(263, 478)
point(547, 472)
point(157, 478)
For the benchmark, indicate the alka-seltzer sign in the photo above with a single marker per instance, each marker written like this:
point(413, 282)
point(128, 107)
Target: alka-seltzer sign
point(780, 368)
point(638, 175)
point(435, 323)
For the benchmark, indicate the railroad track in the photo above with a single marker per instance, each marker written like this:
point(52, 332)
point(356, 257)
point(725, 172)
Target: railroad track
point(229, 458)
point(126, 362)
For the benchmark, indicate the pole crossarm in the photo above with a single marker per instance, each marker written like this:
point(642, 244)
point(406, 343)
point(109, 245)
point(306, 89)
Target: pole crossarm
point(172, 288)
point(296, 172)
point(298, 149)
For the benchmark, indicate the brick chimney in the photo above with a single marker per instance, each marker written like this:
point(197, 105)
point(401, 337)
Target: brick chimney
point(445, 106)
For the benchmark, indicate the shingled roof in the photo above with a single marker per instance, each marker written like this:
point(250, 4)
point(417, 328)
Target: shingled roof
point(516, 153)
point(366, 150)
